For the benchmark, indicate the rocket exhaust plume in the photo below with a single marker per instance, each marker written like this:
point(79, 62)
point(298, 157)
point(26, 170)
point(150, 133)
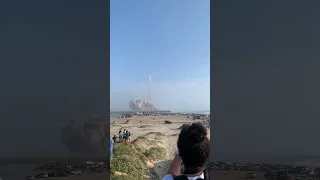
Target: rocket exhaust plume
point(139, 104)
point(149, 88)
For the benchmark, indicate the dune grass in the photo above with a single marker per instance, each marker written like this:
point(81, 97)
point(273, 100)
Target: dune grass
point(155, 153)
point(130, 159)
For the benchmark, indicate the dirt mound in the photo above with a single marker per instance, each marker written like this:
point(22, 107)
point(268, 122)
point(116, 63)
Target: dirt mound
point(144, 126)
point(155, 133)
point(142, 143)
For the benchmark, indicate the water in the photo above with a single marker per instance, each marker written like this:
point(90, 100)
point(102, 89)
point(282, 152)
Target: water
point(115, 115)
point(198, 112)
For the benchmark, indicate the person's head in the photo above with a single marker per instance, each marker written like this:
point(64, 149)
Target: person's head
point(194, 146)
point(114, 136)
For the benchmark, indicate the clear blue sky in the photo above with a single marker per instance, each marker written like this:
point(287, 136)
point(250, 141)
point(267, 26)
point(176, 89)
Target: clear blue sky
point(169, 39)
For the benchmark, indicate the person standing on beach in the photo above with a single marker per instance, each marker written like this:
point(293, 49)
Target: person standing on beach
point(124, 133)
point(120, 135)
point(111, 148)
point(193, 153)
point(126, 136)
point(114, 138)
point(129, 136)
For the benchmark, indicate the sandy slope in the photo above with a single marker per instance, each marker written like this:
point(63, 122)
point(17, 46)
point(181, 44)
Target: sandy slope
point(154, 128)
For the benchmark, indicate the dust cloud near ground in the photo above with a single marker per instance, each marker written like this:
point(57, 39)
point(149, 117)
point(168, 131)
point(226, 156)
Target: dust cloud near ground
point(139, 104)
point(151, 132)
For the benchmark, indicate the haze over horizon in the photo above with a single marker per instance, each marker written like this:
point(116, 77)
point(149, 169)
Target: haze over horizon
point(170, 40)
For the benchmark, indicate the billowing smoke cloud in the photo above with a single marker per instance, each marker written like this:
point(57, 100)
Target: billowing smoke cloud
point(139, 104)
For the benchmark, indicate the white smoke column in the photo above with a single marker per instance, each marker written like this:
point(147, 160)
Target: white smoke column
point(139, 104)
point(149, 88)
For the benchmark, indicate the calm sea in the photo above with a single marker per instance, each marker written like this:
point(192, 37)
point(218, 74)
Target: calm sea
point(115, 115)
point(197, 112)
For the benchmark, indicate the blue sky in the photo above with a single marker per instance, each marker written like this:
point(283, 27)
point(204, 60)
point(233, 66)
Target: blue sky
point(169, 39)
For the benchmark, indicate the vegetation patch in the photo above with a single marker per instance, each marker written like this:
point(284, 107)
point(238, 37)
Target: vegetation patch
point(130, 160)
point(155, 153)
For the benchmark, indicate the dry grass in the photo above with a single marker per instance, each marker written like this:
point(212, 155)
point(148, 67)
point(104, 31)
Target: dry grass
point(132, 161)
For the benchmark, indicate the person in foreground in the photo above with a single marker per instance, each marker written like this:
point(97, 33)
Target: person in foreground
point(193, 154)
point(111, 147)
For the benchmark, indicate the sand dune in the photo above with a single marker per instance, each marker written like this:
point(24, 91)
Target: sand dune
point(153, 128)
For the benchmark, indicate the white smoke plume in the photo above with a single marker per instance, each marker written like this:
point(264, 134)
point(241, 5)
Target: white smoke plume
point(139, 104)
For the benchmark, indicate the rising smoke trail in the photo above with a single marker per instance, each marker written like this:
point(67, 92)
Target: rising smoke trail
point(139, 104)
point(149, 88)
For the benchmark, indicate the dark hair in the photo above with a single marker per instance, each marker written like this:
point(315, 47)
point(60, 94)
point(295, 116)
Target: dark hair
point(194, 146)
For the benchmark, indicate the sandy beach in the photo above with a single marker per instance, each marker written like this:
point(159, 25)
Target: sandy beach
point(154, 128)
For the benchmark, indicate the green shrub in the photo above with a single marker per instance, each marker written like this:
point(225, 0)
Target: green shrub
point(132, 159)
point(127, 159)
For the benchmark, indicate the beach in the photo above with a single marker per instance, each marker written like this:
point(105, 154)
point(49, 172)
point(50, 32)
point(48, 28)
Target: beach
point(154, 128)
